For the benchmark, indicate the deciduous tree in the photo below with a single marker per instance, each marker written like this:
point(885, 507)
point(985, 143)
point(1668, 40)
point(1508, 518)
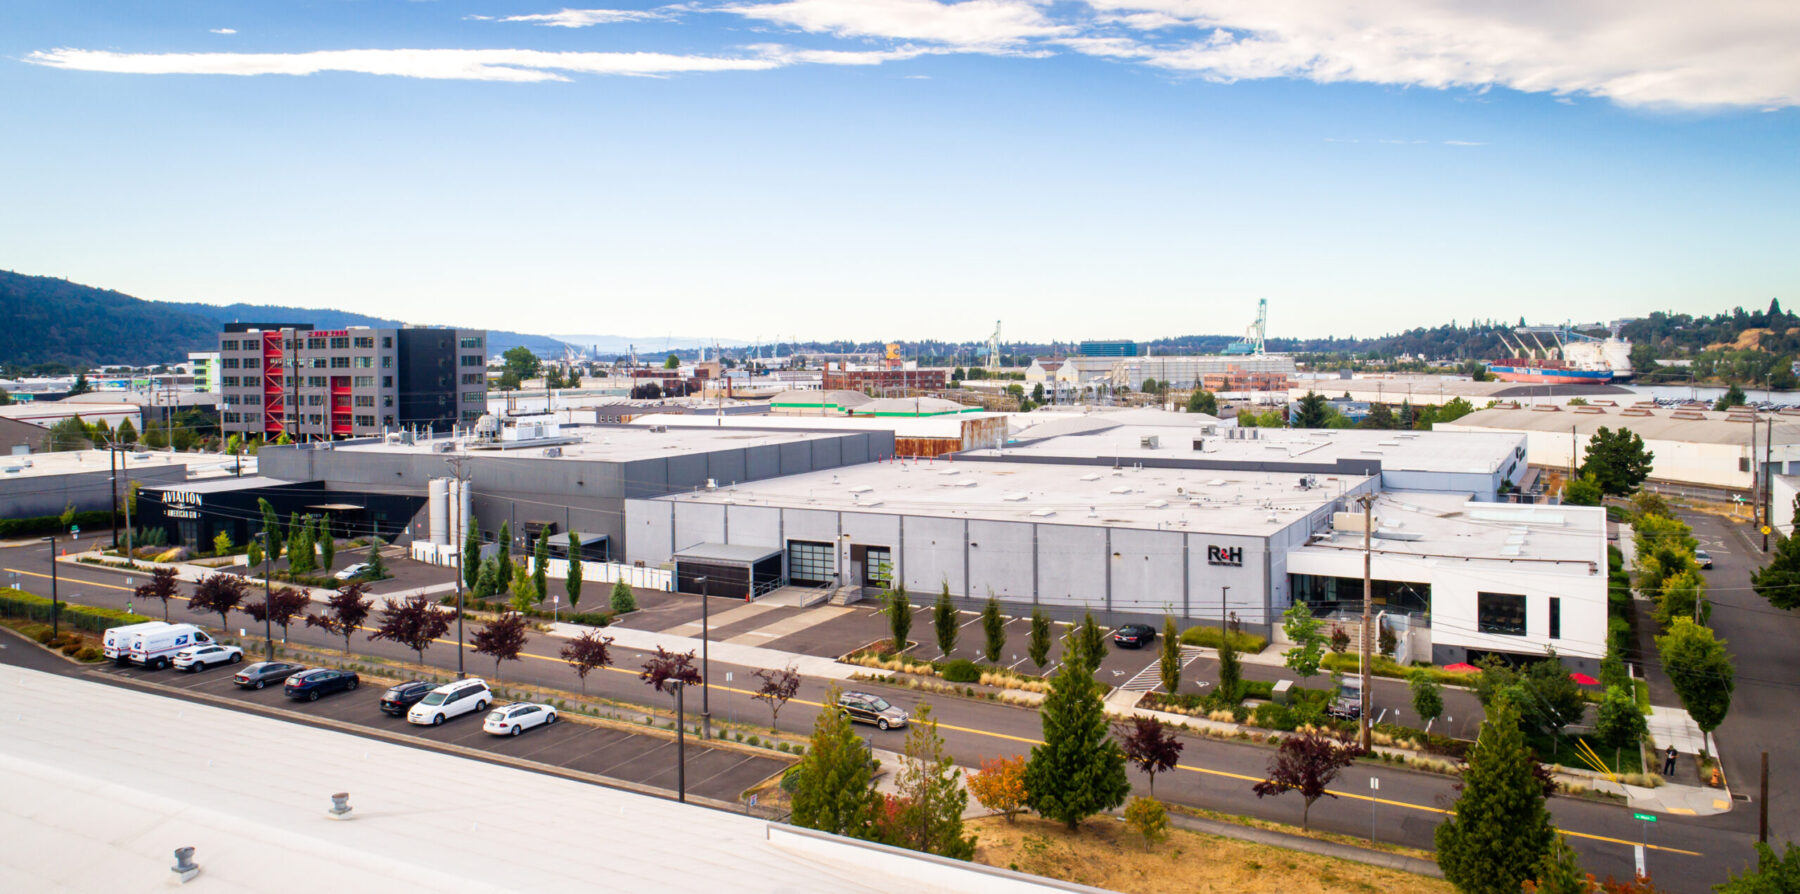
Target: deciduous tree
point(665, 669)
point(586, 653)
point(414, 622)
point(1700, 670)
point(833, 788)
point(162, 585)
point(1779, 581)
point(1203, 402)
point(281, 607)
point(1000, 785)
point(218, 593)
point(1500, 830)
point(1774, 874)
point(1560, 873)
point(1149, 745)
point(344, 612)
point(1307, 763)
point(1308, 636)
point(1079, 770)
point(931, 791)
point(777, 687)
point(1149, 819)
point(1427, 696)
point(1168, 665)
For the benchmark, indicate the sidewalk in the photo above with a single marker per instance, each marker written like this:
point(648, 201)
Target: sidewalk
point(730, 653)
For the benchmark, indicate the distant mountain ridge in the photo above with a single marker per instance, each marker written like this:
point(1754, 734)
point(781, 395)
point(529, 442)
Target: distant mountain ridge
point(51, 320)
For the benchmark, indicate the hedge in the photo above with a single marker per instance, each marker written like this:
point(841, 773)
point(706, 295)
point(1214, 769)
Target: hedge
point(1383, 666)
point(1244, 643)
point(52, 524)
point(20, 604)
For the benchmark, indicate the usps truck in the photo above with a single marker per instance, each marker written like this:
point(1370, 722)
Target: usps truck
point(157, 648)
point(116, 643)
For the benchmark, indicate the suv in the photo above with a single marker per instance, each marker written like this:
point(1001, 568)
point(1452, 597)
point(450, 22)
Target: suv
point(199, 658)
point(403, 696)
point(451, 700)
point(1347, 705)
point(863, 707)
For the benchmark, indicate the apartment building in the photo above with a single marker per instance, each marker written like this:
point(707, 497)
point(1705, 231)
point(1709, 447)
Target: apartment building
point(319, 384)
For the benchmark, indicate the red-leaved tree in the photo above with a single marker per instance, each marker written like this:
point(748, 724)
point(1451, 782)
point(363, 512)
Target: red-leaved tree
point(414, 622)
point(587, 652)
point(1307, 763)
point(665, 668)
point(218, 593)
point(280, 607)
point(161, 585)
point(344, 612)
point(1148, 745)
point(502, 639)
point(777, 687)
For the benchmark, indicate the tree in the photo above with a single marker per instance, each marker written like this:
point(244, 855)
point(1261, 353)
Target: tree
point(1380, 416)
point(572, 582)
point(540, 565)
point(1203, 402)
point(1700, 670)
point(524, 589)
point(1312, 412)
point(1079, 770)
point(833, 783)
point(1779, 581)
point(68, 434)
point(487, 580)
point(344, 612)
point(521, 362)
point(1148, 818)
point(414, 622)
point(671, 362)
point(1087, 643)
point(154, 436)
point(777, 687)
point(1773, 874)
point(1555, 699)
point(281, 607)
point(623, 598)
point(1583, 491)
point(1682, 596)
point(1231, 672)
point(505, 569)
point(1307, 634)
point(253, 552)
point(1039, 648)
point(377, 566)
point(81, 385)
point(301, 559)
point(899, 616)
point(1559, 873)
point(1168, 664)
point(587, 652)
point(127, 433)
point(471, 557)
point(1148, 745)
point(1307, 763)
point(327, 543)
point(993, 625)
point(943, 621)
point(930, 788)
point(1427, 696)
point(1500, 830)
point(1733, 397)
point(1618, 722)
point(665, 669)
point(1000, 785)
point(271, 523)
point(161, 585)
point(219, 593)
point(501, 639)
point(1617, 461)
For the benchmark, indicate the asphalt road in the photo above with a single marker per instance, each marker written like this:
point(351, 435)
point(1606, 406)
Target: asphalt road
point(1688, 853)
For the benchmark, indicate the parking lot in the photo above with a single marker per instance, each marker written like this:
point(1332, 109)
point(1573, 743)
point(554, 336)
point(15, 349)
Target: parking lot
point(722, 774)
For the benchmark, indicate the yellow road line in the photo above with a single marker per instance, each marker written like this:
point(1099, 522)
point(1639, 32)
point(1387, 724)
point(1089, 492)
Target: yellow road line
point(72, 580)
point(1029, 741)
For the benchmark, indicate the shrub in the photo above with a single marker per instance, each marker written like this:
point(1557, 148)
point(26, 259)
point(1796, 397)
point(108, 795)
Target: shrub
point(44, 636)
point(590, 619)
point(11, 528)
point(623, 599)
point(961, 670)
point(20, 604)
point(1340, 639)
point(1274, 716)
point(1263, 689)
point(71, 647)
point(91, 653)
point(1246, 643)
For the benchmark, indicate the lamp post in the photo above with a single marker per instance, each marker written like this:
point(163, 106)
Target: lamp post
point(705, 674)
point(680, 746)
point(268, 594)
point(55, 607)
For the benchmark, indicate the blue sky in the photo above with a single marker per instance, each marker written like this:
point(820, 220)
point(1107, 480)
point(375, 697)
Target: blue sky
point(871, 169)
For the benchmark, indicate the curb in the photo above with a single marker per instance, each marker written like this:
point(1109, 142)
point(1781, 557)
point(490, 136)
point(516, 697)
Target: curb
point(1304, 844)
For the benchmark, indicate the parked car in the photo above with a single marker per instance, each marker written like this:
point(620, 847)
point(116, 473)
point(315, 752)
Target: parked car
point(262, 673)
point(451, 700)
point(863, 707)
point(398, 699)
point(1347, 705)
point(1703, 557)
point(515, 719)
point(198, 658)
point(157, 647)
point(310, 684)
point(353, 572)
point(1134, 635)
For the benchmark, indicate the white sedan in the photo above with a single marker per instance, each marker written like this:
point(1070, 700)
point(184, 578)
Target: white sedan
point(198, 658)
point(353, 572)
point(515, 719)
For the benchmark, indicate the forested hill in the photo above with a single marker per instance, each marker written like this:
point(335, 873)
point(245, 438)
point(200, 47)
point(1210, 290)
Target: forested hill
point(51, 320)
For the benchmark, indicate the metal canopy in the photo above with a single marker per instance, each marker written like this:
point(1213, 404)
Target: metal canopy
point(728, 553)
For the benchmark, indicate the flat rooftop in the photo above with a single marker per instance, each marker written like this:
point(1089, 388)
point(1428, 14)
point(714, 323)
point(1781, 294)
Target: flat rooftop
point(1650, 423)
point(1423, 389)
point(89, 812)
point(1252, 503)
point(905, 426)
point(1425, 451)
point(1447, 526)
point(611, 443)
point(68, 462)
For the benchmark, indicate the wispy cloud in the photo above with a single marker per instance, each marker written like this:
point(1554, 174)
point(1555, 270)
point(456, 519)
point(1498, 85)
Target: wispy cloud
point(224, 31)
point(580, 18)
point(970, 24)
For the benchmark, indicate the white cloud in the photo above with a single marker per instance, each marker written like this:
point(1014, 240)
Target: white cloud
point(475, 65)
point(1644, 53)
point(970, 23)
point(224, 31)
point(580, 18)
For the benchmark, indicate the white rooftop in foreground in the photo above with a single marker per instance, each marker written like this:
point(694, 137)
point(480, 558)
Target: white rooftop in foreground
point(66, 462)
point(1429, 451)
point(1448, 526)
point(89, 809)
point(1255, 503)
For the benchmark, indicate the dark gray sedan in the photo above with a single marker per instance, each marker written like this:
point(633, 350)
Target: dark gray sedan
point(262, 673)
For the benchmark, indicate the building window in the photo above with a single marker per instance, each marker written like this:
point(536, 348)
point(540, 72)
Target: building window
point(387, 381)
point(365, 341)
point(1556, 617)
point(228, 381)
point(811, 563)
point(387, 400)
point(387, 363)
point(365, 363)
point(387, 341)
point(252, 362)
point(364, 381)
point(365, 421)
point(315, 419)
point(252, 381)
point(365, 400)
point(1502, 613)
point(315, 400)
point(228, 345)
point(318, 362)
point(340, 342)
point(387, 420)
point(473, 341)
point(474, 378)
point(474, 397)
point(229, 363)
point(340, 363)
point(315, 344)
point(470, 360)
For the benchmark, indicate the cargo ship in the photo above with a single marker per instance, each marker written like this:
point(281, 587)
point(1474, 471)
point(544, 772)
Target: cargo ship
point(1570, 358)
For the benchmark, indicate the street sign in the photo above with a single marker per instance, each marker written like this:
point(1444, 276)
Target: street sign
point(1374, 784)
point(728, 676)
point(1648, 818)
point(75, 531)
point(1765, 530)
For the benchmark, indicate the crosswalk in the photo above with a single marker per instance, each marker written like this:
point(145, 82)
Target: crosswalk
point(1148, 679)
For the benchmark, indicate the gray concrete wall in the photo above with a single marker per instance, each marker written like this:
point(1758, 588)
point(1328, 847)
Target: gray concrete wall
point(1003, 560)
point(1070, 568)
point(30, 496)
point(934, 554)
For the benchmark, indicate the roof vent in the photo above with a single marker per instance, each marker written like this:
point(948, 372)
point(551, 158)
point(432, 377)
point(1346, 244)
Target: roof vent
point(1014, 497)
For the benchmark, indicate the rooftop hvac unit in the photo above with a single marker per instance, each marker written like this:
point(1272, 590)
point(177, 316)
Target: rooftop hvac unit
point(1149, 442)
point(553, 451)
point(712, 484)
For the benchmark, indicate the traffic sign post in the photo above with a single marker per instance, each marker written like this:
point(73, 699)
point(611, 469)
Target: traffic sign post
point(1643, 845)
point(1374, 786)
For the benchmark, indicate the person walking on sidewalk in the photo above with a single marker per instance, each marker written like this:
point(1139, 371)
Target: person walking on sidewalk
point(1669, 762)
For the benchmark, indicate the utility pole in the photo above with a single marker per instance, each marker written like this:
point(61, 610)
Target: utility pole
point(55, 607)
point(268, 594)
point(705, 674)
point(124, 461)
point(1762, 828)
point(1368, 503)
point(112, 459)
point(1768, 444)
point(456, 544)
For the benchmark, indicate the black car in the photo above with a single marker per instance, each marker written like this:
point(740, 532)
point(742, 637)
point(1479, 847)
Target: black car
point(1134, 635)
point(397, 699)
point(262, 673)
point(310, 684)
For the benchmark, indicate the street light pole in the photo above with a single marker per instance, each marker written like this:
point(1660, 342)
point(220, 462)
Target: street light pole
point(55, 607)
point(705, 674)
point(1368, 502)
point(680, 746)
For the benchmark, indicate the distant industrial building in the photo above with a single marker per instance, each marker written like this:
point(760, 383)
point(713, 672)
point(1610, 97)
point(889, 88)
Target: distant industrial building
point(317, 384)
point(1180, 372)
point(47, 483)
point(879, 380)
point(204, 367)
point(1107, 349)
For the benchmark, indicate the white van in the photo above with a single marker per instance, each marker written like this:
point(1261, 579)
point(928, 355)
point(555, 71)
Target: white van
point(157, 648)
point(117, 640)
point(451, 700)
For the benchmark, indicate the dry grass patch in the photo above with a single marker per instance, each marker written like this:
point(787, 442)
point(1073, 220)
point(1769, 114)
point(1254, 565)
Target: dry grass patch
point(1105, 854)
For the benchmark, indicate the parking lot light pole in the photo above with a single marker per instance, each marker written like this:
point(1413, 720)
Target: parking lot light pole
point(705, 642)
point(680, 746)
point(268, 595)
point(55, 607)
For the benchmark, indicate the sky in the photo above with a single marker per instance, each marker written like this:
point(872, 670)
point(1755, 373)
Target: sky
point(762, 170)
